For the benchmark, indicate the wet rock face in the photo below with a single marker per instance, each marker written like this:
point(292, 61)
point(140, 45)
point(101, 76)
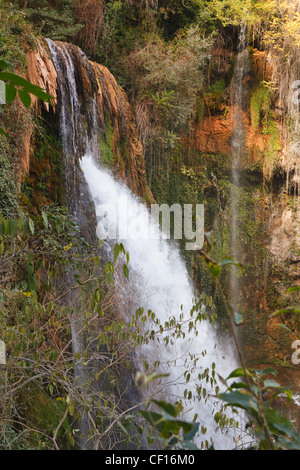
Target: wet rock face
point(268, 213)
point(41, 72)
point(98, 98)
point(126, 148)
point(89, 109)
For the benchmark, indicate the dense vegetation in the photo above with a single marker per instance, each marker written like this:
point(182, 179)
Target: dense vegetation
point(163, 53)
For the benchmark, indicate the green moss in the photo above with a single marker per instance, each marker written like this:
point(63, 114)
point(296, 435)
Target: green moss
point(262, 117)
point(44, 184)
point(213, 96)
point(42, 413)
point(274, 145)
point(260, 104)
point(200, 109)
point(106, 144)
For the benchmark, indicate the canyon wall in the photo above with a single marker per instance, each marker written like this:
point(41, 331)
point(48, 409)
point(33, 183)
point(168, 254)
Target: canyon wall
point(268, 200)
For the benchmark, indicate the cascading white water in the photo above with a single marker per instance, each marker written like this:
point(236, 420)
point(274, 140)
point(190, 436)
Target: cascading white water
point(159, 280)
point(161, 284)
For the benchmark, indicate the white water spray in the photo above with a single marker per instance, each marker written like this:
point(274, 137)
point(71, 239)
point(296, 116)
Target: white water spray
point(162, 285)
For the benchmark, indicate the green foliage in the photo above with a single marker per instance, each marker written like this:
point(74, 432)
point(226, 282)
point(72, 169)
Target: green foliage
point(16, 84)
point(8, 186)
point(174, 432)
point(127, 23)
point(260, 106)
point(106, 144)
point(53, 19)
point(213, 96)
point(14, 31)
point(262, 117)
point(169, 77)
point(38, 254)
point(271, 430)
point(274, 145)
point(232, 12)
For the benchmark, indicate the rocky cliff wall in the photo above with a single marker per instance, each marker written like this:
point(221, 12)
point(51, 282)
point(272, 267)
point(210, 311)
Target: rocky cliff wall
point(269, 217)
point(121, 147)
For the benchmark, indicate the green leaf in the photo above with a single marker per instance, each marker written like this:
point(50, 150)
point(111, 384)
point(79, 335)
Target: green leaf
point(38, 92)
point(271, 384)
point(189, 445)
point(238, 373)
point(231, 261)
point(281, 325)
point(13, 78)
point(25, 98)
point(116, 251)
point(146, 378)
point(122, 427)
point(279, 423)
point(239, 385)
point(165, 424)
point(2, 132)
point(31, 225)
point(240, 400)
point(168, 407)
point(126, 271)
point(13, 227)
point(71, 408)
point(286, 310)
point(7, 227)
point(10, 93)
point(16, 80)
point(45, 219)
point(214, 268)
point(293, 289)
point(4, 64)
point(109, 279)
point(25, 226)
point(289, 445)
point(192, 433)
point(267, 371)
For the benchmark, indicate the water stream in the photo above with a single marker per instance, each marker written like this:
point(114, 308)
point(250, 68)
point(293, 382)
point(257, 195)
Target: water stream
point(159, 280)
point(238, 103)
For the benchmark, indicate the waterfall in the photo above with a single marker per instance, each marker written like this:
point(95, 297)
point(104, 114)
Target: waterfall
point(238, 103)
point(159, 280)
point(160, 283)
